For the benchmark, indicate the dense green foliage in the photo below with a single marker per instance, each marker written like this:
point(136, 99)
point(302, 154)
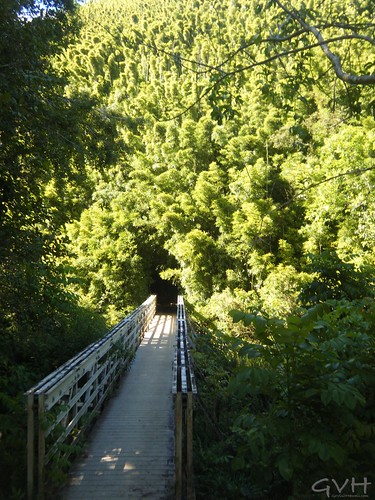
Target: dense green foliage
point(42, 323)
point(293, 403)
point(212, 143)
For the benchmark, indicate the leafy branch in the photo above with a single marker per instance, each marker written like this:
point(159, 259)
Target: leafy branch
point(333, 58)
point(253, 65)
point(357, 171)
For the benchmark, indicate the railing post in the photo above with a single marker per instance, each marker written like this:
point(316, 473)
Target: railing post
point(30, 445)
point(179, 439)
point(189, 447)
point(41, 446)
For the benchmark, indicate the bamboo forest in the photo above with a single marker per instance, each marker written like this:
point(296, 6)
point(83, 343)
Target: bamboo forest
point(222, 147)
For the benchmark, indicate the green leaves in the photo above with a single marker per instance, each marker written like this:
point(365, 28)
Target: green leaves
point(258, 322)
point(251, 351)
point(252, 380)
point(294, 331)
point(257, 38)
point(285, 467)
point(342, 393)
point(326, 449)
point(304, 401)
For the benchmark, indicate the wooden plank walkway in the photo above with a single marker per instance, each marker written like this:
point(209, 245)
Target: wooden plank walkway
point(130, 452)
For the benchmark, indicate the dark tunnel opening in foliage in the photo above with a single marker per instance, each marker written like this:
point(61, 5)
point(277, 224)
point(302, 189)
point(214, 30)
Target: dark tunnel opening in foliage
point(166, 293)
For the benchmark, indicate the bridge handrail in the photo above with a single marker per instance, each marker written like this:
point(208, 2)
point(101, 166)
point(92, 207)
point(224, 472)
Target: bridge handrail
point(74, 392)
point(183, 388)
point(183, 373)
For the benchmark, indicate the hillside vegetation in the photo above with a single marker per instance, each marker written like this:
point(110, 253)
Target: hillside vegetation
point(215, 144)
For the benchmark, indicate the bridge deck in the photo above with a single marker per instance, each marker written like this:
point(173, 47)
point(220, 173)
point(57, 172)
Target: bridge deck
point(131, 448)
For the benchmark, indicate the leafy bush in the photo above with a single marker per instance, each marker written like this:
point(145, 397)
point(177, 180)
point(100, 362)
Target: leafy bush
point(298, 405)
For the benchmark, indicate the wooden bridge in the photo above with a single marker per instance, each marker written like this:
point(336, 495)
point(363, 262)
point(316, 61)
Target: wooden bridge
point(138, 383)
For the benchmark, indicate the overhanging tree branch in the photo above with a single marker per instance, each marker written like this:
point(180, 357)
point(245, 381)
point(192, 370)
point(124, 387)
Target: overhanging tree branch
point(333, 58)
point(336, 63)
point(262, 62)
point(357, 171)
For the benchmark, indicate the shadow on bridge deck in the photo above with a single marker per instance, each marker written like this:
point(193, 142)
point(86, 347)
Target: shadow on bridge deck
point(130, 452)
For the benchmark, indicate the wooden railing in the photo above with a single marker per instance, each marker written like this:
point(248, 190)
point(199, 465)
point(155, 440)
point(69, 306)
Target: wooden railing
point(184, 388)
point(62, 406)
